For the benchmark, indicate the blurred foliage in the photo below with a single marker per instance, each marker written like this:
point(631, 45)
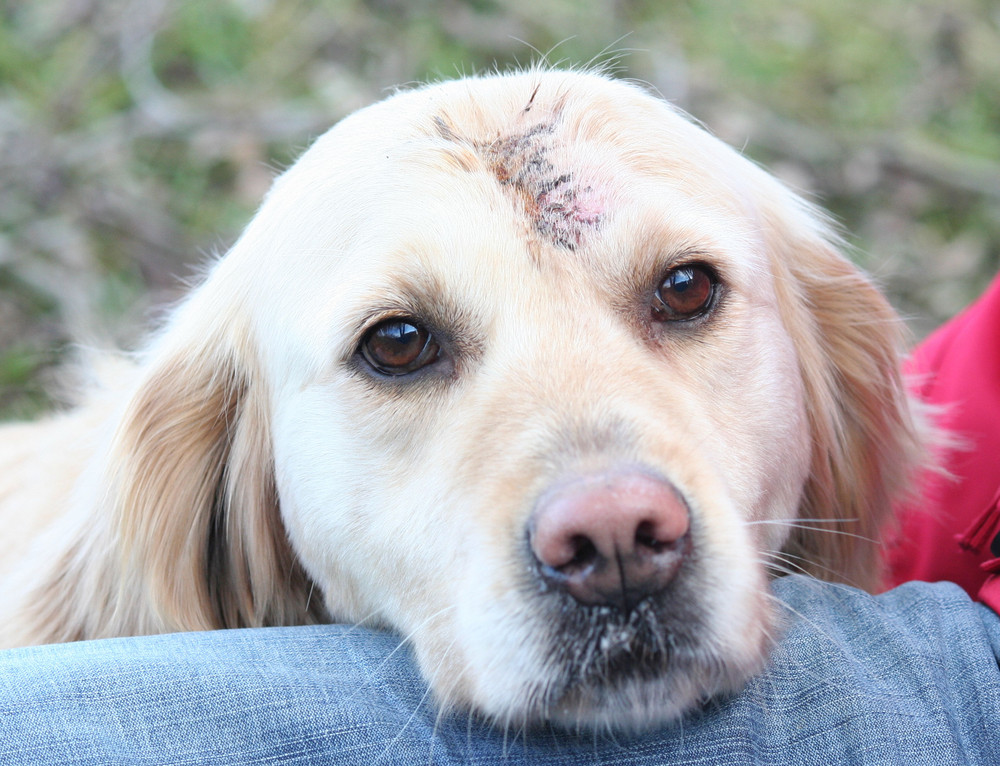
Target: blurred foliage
point(137, 136)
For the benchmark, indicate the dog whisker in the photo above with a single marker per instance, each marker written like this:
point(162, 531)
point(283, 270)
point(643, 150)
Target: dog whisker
point(403, 642)
point(811, 525)
point(787, 563)
point(387, 749)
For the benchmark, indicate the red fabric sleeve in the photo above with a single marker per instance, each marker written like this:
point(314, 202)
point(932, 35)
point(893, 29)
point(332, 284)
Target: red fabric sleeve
point(947, 531)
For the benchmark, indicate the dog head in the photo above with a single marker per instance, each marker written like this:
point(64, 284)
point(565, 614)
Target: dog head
point(538, 373)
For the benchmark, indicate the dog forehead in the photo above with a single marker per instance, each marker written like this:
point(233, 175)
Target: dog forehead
point(564, 147)
point(563, 170)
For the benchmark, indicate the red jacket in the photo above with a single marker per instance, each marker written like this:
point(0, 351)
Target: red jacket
point(948, 531)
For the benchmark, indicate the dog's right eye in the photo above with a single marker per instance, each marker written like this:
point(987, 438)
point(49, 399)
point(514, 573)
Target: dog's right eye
point(399, 346)
point(687, 292)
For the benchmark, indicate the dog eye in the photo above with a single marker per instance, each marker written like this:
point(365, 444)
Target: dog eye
point(399, 346)
point(685, 293)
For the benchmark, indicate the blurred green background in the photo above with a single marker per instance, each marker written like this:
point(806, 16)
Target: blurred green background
point(138, 136)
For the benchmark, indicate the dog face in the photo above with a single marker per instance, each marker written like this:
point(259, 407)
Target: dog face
point(539, 266)
point(538, 373)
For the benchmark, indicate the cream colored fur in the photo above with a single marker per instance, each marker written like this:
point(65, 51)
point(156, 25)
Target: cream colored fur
point(247, 470)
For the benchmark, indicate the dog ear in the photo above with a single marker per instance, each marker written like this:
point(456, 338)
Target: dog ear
point(865, 443)
point(193, 493)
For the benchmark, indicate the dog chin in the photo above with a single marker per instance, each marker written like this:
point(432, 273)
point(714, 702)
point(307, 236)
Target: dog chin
point(640, 705)
point(599, 669)
point(631, 702)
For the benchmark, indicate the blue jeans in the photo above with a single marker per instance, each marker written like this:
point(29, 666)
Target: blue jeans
point(909, 677)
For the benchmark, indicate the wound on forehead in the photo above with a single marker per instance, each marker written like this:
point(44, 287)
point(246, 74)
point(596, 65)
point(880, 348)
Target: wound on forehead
point(561, 209)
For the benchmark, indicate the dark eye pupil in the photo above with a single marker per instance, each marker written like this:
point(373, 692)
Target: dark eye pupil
point(398, 346)
point(685, 293)
point(398, 337)
point(681, 281)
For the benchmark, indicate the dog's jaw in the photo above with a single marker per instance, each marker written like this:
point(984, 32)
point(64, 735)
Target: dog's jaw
point(526, 655)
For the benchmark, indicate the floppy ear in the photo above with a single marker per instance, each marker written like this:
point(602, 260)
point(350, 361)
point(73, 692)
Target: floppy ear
point(865, 443)
point(194, 497)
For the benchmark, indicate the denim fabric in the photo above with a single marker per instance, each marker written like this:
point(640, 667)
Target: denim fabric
point(909, 677)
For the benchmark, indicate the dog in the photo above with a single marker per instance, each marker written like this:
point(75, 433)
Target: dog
point(527, 367)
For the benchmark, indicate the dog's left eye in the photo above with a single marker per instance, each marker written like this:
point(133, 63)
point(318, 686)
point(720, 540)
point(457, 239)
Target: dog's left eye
point(399, 346)
point(686, 292)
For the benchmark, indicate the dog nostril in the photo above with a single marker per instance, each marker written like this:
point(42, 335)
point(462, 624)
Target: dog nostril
point(645, 537)
point(584, 554)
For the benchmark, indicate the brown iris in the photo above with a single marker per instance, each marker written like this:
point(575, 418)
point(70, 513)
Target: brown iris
point(399, 346)
point(685, 293)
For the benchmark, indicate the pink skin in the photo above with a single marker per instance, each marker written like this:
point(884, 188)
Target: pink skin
point(566, 213)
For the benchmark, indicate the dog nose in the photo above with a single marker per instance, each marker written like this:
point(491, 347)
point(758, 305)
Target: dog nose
point(612, 539)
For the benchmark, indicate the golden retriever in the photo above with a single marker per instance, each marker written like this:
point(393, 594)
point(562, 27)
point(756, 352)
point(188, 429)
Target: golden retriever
point(526, 367)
